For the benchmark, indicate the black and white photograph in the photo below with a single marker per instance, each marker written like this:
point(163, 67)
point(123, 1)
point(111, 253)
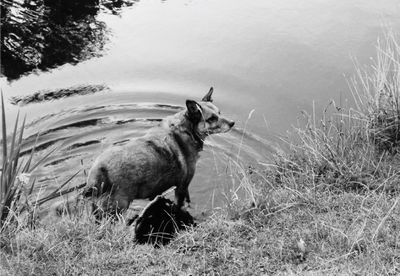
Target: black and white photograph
point(200, 137)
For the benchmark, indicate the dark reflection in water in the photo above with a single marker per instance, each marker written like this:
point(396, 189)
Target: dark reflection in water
point(44, 34)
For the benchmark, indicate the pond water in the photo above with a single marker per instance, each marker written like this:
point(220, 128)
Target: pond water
point(124, 65)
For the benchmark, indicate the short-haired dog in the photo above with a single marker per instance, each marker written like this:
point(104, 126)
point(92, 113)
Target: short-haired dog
point(165, 156)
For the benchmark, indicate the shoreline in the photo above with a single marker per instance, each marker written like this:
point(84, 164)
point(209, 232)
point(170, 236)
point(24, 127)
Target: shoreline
point(329, 205)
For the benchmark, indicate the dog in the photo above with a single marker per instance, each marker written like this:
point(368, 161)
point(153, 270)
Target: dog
point(164, 157)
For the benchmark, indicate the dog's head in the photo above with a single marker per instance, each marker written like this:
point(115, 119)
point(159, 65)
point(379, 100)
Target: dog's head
point(206, 117)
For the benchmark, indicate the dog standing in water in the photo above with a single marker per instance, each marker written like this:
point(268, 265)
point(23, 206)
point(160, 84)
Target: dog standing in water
point(166, 156)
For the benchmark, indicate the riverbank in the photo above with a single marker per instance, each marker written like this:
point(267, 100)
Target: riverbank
point(327, 205)
point(292, 230)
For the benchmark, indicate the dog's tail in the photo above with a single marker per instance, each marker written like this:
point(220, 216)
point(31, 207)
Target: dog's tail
point(98, 183)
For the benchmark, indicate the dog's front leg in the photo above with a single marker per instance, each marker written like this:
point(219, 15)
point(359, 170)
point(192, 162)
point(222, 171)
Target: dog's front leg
point(180, 195)
point(187, 197)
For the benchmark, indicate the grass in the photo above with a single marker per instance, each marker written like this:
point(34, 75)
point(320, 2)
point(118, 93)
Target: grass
point(11, 183)
point(16, 185)
point(328, 205)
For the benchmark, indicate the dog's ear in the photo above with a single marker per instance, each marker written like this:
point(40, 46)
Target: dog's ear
point(194, 111)
point(207, 97)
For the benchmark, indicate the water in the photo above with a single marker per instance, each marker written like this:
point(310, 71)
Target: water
point(140, 60)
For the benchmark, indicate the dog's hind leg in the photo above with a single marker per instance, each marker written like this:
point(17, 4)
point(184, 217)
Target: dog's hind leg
point(110, 205)
point(100, 187)
point(98, 183)
point(121, 201)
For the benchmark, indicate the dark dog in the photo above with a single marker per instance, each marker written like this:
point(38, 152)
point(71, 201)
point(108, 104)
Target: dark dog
point(166, 156)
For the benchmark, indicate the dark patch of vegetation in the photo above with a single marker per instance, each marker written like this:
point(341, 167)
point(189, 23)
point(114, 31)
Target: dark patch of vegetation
point(160, 221)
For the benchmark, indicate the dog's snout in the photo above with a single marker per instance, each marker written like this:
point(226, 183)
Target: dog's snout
point(231, 123)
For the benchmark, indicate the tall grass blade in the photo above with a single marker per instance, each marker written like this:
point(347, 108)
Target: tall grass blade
point(28, 163)
point(12, 164)
point(14, 134)
point(32, 186)
point(41, 160)
point(61, 193)
point(66, 182)
point(4, 128)
point(4, 136)
point(19, 143)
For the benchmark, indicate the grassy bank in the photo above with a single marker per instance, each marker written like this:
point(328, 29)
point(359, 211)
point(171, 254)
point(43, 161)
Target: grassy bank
point(328, 205)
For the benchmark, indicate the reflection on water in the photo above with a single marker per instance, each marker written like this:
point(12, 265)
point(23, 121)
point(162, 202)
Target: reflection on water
point(43, 34)
point(77, 136)
point(49, 95)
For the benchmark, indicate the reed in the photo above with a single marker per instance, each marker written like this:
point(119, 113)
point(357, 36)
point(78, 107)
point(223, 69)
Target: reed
point(13, 173)
point(16, 183)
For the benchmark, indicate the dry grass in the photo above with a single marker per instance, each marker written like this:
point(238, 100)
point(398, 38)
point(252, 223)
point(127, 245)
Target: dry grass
point(376, 92)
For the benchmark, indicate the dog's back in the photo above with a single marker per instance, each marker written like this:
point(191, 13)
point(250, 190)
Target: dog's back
point(143, 168)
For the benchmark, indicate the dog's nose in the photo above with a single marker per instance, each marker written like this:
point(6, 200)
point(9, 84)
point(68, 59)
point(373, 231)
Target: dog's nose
point(231, 124)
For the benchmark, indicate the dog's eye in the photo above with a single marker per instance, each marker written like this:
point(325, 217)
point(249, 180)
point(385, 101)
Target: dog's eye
point(212, 119)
